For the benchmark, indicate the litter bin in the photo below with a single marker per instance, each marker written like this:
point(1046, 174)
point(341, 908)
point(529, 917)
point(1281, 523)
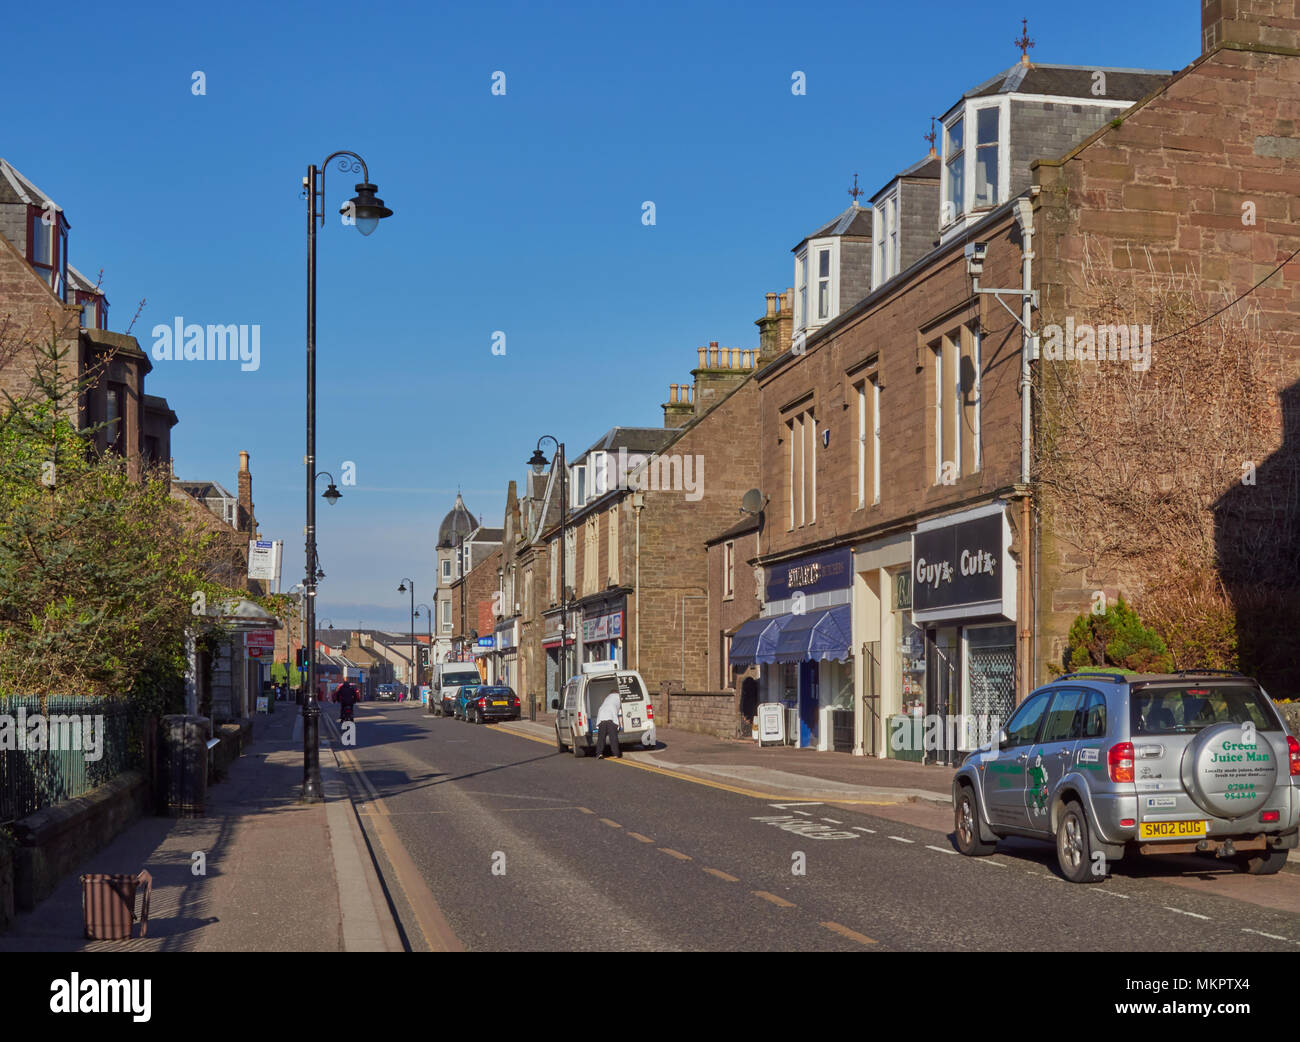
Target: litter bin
point(185, 765)
point(108, 905)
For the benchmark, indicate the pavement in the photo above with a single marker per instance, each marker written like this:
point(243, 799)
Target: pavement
point(259, 872)
point(782, 771)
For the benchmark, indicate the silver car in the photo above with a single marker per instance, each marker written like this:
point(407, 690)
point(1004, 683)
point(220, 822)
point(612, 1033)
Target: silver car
point(1109, 763)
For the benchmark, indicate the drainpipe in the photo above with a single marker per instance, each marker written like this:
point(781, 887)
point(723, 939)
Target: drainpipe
point(638, 504)
point(1028, 554)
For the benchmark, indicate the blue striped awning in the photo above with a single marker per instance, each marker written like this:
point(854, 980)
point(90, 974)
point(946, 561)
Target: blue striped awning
point(817, 635)
point(755, 641)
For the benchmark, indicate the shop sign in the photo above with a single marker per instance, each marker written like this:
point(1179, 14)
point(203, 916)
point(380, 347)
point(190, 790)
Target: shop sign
point(505, 636)
point(963, 569)
point(602, 627)
point(485, 642)
point(816, 573)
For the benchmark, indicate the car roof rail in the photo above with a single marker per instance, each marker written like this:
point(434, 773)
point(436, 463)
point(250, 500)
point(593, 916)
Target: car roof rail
point(1208, 672)
point(1117, 678)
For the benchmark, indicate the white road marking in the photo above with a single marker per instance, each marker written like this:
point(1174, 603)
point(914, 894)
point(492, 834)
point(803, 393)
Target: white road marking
point(1261, 933)
point(861, 829)
point(833, 821)
point(804, 813)
point(1108, 893)
point(783, 806)
point(1181, 911)
point(941, 850)
point(900, 839)
point(987, 861)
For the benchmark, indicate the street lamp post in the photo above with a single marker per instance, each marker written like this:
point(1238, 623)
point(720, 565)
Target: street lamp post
point(415, 666)
point(537, 461)
point(364, 210)
point(428, 614)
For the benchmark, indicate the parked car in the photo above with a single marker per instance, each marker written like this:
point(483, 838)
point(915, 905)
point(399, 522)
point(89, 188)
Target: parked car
point(491, 702)
point(575, 719)
point(386, 693)
point(463, 696)
point(1111, 763)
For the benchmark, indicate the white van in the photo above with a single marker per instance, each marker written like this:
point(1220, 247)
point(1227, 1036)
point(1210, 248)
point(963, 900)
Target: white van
point(576, 709)
point(448, 678)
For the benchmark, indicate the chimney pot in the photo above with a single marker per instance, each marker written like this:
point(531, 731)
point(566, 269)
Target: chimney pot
point(703, 359)
point(771, 305)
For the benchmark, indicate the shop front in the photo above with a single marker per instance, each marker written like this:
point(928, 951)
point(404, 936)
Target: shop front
point(803, 646)
point(602, 634)
point(506, 637)
point(958, 648)
point(554, 643)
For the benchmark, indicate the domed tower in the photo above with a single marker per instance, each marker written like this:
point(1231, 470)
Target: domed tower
point(458, 523)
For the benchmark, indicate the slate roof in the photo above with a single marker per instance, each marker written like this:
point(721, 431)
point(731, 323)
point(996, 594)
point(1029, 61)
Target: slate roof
point(1071, 81)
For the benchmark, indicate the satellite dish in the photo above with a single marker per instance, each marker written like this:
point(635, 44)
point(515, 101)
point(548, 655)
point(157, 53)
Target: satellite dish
point(752, 503)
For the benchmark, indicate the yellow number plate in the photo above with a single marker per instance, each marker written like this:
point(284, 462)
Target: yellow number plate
point(1171, 829)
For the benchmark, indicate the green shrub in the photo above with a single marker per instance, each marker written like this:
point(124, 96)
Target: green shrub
point(1116, 637)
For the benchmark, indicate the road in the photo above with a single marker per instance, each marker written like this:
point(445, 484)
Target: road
point(489, 840)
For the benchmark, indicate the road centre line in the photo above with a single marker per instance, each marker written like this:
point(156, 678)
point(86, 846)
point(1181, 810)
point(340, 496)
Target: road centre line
point(676, 853)
point(779, 901)
point(1194, 915)
point(611, 824)
point(941, 850)
point(900, 839)
point(640, 838)
point(722, 875)
point(852, 935)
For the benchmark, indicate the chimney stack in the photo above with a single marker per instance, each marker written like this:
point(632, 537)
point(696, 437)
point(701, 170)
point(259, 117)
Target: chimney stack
point(244, 515)
point(1260, 24)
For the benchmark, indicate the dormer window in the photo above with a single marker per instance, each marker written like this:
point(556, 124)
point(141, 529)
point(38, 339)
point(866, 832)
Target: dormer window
point(801, 280)
point(954, 136)
point(979, 164)
point(886, 261)
point(47, 249)
point(823, 284)
point(986, 157)
point(816, 276)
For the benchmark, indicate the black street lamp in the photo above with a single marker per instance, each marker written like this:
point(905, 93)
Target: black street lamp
point(365, 211)
point(538, 462)
point(428, 614)
point(415, 664)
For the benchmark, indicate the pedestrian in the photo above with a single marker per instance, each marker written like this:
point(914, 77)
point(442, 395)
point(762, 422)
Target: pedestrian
point(607, 722)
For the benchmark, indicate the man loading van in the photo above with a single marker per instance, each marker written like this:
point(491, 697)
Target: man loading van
point(607, 721)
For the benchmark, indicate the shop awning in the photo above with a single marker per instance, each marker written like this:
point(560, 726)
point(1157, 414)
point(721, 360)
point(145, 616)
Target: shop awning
point(816, 635)
point(755, 641)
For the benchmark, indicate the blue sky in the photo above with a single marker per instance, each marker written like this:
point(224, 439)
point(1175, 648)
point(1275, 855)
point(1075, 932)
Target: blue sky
point(519, 213)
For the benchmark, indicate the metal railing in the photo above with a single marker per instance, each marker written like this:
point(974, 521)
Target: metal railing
point(60, 747)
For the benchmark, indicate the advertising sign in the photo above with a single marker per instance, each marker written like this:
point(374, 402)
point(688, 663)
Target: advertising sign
point(264, 559)
point(964, 568)
point(816, 573)
point(771, 722)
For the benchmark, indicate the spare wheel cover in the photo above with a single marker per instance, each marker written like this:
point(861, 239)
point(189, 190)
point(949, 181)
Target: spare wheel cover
point(1226, 776)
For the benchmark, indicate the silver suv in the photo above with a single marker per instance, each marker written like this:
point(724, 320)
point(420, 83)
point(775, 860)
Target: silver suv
point(1110, 763)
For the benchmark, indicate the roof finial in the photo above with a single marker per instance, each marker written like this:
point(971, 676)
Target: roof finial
point(930, 137)
point(855, 191)
point(1024, 43)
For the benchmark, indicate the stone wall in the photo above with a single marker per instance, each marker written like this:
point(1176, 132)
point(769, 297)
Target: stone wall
point(711, 712)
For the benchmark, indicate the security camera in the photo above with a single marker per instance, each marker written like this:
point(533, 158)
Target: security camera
point(975, 254)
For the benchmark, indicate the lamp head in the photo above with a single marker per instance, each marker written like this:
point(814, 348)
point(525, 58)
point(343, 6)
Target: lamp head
point(366, 208)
